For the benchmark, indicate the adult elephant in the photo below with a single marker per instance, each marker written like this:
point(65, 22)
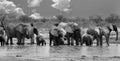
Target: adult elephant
point(56, 35)
point(99, 32)
point(31, 31)
point(73, 32)
point(95, 32)
point(12, 30)
point(106, 30)
point(16, 31)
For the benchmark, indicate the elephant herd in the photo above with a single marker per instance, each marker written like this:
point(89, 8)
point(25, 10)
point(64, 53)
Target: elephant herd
point(72, 34)
point(63, 33)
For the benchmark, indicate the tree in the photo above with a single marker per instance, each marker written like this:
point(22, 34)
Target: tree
point(112, 18)
point(61, 18)
point(25, 18)
point(44, 20)
point(97, 19)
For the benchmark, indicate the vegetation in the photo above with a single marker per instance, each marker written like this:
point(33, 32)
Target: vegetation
point(47, 22)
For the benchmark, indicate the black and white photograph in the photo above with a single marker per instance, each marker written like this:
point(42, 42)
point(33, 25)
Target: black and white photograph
point(59, 30)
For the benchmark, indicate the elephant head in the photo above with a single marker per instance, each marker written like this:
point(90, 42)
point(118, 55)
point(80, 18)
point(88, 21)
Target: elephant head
point(95, 33)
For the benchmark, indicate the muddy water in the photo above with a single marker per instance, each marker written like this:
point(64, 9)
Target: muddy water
point(58, 53)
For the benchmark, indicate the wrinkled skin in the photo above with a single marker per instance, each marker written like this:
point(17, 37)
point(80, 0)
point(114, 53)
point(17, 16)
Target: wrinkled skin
point(56, 39)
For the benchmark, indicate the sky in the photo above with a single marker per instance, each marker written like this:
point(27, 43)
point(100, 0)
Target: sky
point(82, 8)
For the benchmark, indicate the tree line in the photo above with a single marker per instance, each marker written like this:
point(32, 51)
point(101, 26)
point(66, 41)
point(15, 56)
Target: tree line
point(94, 20)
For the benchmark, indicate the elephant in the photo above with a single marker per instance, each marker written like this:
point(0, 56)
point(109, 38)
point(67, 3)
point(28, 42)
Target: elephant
point(87, 39)
point(40, 40)
point(56, 35)
point(12, 30)
point(19, 31)
point(73, 32)
point(106, 30)
point(101, 31)
point(113, 27)
point(95, 32)
point(31, 31)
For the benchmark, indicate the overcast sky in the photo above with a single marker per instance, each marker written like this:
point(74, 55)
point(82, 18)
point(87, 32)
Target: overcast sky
point(83, 8)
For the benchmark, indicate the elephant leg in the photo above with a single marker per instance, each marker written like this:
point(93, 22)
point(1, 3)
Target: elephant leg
point(101, 41)
point(116, 35)
point(107, 40)
point(68, 40)
point(72, 41)
point(50, 41)
point(22, 41)
point(77, 41)
point(91, 42)
point(54, 43)
point(11, 41)
point(98, 40)
point(18, 43)
point(42, 43)
point(32, 40)
point(82, 41)
point(3, 41)
point(7, 40)
point(61, 41)
point(57, 41)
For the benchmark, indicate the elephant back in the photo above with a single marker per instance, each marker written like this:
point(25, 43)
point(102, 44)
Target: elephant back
point(87, 35)
point(92, 32)
point(62, 24)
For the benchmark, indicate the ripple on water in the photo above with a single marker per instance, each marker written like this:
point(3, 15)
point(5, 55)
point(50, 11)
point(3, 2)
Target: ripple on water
point(59, 52)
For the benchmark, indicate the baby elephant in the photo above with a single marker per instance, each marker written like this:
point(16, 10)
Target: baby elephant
point(87, 39)
point(40, 40)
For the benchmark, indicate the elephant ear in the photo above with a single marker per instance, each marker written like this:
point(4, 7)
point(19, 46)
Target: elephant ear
point(54, 31)
point(20, 28)
point(35, 30)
